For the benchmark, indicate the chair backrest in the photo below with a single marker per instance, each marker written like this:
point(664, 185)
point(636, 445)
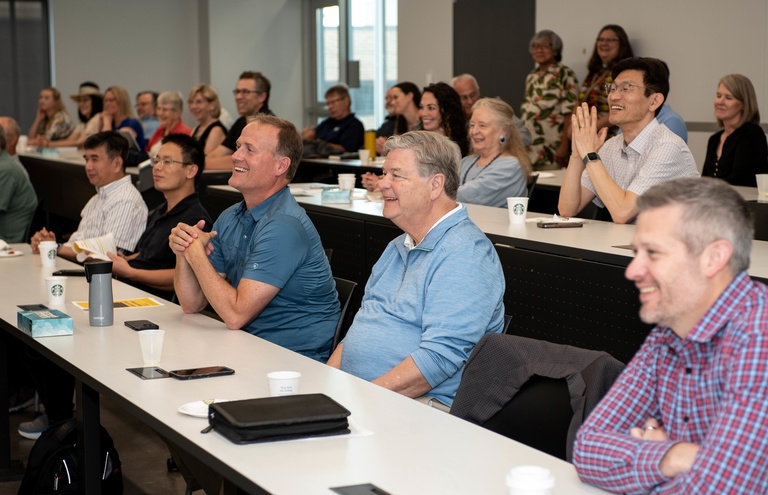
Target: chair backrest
point(532, 184)
point(345, 288)
point(760, 214)
point(533, 391)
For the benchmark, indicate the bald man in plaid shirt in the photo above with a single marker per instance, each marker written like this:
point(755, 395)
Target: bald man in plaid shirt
point(689, 415)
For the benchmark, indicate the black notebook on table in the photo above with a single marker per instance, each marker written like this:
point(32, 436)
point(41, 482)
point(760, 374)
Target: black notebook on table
point(279, 418)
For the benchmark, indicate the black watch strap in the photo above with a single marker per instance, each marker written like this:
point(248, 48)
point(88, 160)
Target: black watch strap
point(591, 157)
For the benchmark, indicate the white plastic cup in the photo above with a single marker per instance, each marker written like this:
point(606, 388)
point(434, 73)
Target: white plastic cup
point(56, 288)
point(347, 183)
point(151, 342)
point(517, 207)
point(365, 156)
point(21, 144)
point(762, 187)
point(48, 253)
point(283, 383)
point(530, 480)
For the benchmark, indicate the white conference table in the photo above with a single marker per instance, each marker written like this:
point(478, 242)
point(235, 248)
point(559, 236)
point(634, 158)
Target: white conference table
point(411, 448)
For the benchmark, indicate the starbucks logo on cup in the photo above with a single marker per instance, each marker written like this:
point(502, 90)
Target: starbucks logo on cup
point(51, 254)
point(57, 290)
point(518, 209)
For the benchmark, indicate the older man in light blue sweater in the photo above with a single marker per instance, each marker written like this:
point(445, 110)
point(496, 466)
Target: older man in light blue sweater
point(435, 291)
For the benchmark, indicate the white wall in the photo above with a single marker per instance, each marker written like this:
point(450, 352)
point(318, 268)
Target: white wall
point(263, 35)
point(151, 44)
point(701, 40)
point(141, 44)
point(425, 41)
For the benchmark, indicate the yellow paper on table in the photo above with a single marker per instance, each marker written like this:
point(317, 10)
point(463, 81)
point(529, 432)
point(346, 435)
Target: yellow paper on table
point(139, 302)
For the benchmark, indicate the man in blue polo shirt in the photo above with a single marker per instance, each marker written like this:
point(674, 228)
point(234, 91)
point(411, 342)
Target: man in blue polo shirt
point(435, 291)
point(263, 268)
point(342, 130)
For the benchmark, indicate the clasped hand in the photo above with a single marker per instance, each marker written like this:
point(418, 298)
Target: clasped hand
point(584, 134)
point(185, 236)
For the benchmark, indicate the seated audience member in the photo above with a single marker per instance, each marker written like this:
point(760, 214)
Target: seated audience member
point(263, 268)
point(252, 98)
point(118, 115)
point(688, 414)
point(204, 105)
point(498, 167)
point(17, 196)
point(440, 111)
point(469, 92)
point(52, 121)
point(388, 126)
point(646, 153)
point(117, 206)
point(406, 99)
point(550, 95)
point(12, 133)
point(739, 151)
point(169, 109)
point(90, 102)
point(176, 170)
point(342, 130)
point(146, 109)
point(435, 291)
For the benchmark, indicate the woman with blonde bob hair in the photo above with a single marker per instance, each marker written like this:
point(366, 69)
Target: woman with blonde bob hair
point(204, 105)
point(739, 151)
point(498, 166)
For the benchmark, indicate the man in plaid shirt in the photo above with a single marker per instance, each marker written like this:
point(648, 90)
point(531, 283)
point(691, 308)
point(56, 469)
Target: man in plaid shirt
point(690, 412)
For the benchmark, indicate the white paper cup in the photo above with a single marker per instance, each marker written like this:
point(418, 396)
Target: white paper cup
point(48, 253)
point(365, 155)
point(151, 342)
point(347, 183)
point(762, 187)
point(283, 383)
point(56, 288)
point(21, 144)
point(518, 207)
point(530, 480)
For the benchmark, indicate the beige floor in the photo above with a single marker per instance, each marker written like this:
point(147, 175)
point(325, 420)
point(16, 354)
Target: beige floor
point(142, 453)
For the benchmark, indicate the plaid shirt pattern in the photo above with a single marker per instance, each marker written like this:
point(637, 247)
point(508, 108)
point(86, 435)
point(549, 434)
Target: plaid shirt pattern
point(710, 388)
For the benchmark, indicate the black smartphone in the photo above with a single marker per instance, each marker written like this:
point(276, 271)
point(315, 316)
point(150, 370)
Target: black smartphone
point(208, 372)
point(141, 325)
point(149, 373)
point(559, 225)
point(70, 273)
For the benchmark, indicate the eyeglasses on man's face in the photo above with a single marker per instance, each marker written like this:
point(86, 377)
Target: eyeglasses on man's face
point(328, 103)
point(166, 161)
point(245, 92)
point(624, 88)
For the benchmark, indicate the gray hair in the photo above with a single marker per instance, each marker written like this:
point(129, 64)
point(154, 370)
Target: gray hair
point(172, 98)
point(468, 77)
point(713, 211)
point(555, 42)
point(435, 154)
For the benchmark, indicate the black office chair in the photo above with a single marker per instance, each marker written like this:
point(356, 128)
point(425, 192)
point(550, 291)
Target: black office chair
point(328, 254)
point(507, 321)
point(532, 184)
point(345, 288)
point(760, 218)
point(533, 391)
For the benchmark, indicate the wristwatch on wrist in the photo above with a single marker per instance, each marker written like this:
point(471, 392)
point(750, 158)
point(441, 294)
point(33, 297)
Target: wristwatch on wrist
point(591, 157)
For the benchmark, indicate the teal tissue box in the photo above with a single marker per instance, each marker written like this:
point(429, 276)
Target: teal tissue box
point(44, 323)
point(336, 196)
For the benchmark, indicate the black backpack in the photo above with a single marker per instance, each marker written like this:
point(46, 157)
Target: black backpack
point(52, 464)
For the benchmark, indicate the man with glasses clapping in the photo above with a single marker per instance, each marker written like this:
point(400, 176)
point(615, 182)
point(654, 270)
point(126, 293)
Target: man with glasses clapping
point(645, 154)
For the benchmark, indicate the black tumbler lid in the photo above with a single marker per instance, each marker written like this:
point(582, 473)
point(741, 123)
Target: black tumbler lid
point(97, 267)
